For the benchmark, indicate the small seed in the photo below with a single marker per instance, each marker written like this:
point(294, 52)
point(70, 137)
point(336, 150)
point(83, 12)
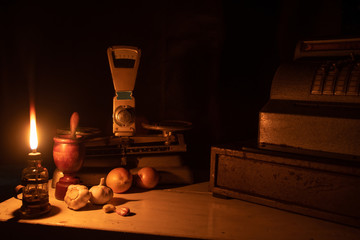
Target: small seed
point(123, 211)
point(108, 208)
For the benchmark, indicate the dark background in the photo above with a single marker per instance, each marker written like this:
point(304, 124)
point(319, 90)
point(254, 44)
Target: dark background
point(210, 62)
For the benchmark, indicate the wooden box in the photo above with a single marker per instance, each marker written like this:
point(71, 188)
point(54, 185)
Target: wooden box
point(319, 187)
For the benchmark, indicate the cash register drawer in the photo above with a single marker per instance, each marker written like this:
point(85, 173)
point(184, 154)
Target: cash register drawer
point(322, 188)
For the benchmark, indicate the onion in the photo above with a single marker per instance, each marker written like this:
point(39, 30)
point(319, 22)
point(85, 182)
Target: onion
point(147, 178)
point(119, 180)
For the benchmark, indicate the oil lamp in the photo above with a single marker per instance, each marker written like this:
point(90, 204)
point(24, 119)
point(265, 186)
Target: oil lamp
point(34, 178)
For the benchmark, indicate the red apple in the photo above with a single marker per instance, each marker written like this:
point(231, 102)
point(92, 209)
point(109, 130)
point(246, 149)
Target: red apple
point(119, 180)
point(147, 177)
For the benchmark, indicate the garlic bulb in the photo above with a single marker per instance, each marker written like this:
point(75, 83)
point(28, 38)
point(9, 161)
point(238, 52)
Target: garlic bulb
point(76, 196)
point(101, 194)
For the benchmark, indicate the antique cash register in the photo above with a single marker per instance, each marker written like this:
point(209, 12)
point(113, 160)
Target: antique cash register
point(307, 157)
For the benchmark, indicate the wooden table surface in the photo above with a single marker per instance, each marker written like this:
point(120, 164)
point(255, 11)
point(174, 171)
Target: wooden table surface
point(182, 212)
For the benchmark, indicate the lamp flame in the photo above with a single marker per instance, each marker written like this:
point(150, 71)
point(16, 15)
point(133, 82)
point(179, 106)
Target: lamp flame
point(33, 134)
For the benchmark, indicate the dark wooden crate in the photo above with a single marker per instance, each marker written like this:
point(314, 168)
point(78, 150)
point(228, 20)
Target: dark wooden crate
point(319, 187)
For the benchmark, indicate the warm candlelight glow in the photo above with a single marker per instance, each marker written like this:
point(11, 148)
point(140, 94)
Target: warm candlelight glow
point(33, 134)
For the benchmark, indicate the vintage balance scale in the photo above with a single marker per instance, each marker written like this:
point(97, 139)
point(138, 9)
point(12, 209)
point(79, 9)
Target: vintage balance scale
point(97, 155)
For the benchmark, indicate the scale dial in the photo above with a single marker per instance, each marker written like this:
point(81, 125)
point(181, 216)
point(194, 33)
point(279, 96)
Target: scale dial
point(124, 116)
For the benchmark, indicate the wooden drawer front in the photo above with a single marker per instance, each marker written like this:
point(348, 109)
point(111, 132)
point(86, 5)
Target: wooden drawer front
point(311, 188)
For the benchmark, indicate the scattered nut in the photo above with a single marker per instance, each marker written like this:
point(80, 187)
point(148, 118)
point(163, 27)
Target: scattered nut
point(108, 208)
point(123, 211)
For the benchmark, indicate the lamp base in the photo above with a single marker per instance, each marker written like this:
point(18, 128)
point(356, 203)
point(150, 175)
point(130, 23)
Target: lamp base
point(62, 185)
point(34, 210)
